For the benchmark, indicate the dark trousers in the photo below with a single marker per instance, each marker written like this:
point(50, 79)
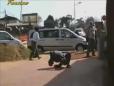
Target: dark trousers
point(34, 50)
point(91, 46)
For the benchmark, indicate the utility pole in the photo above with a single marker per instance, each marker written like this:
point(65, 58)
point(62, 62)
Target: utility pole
point(21, 11)
point(5, 20)
point(0, 7)
point(75, 8)
point(74, 11)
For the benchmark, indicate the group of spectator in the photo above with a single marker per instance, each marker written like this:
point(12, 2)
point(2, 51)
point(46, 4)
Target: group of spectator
point(96, 38)
point(92, 37)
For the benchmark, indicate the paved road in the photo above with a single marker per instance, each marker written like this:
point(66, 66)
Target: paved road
point(84, 72)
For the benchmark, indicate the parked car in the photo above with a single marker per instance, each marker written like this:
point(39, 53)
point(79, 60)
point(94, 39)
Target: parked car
point(7, 38)
point(60, 39)
point(80, 32)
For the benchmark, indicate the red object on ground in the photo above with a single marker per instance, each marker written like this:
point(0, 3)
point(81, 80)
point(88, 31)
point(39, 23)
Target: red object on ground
point(23, 38)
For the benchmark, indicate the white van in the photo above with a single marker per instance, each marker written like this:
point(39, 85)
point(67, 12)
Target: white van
point(7, 38)
point(60, 39)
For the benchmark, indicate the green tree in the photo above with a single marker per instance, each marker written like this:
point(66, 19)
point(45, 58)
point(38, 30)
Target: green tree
point(80, 23)
point(49, 22)
point(57, 22)
point(65, 21)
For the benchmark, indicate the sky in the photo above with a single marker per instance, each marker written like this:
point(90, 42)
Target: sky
point(57, 8)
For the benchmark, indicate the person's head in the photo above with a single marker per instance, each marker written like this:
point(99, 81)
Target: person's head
point(36, 28)
point(104, 17)
point(91, 24)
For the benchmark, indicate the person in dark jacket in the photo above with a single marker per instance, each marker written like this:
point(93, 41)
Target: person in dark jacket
point(91, 39)
point(63, 58)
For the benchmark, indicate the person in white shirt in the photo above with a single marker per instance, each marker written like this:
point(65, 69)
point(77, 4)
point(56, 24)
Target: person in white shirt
point(34, 43)
point(29, 38)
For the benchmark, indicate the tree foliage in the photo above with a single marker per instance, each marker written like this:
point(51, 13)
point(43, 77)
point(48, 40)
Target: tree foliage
point(49, 22)
point(80, 23)
point(65, 21)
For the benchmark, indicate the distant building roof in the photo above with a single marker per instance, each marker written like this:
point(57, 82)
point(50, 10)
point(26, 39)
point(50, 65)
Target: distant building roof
point(9, 18)
point(29, 14)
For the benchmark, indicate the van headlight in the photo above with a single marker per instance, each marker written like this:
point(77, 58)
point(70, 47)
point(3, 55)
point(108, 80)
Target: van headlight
point(84, 39)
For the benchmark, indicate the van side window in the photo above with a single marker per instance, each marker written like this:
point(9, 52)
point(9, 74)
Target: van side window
point(4, 36)
point(67, 34)
point(49, 34)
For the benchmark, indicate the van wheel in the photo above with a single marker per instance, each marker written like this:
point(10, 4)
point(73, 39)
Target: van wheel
point(80, 48)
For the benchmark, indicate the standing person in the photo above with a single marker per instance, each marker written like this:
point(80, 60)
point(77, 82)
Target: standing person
point(104, 31)
point(34, 43)
point(90, 36)
point(30, 34)
point(102, 39)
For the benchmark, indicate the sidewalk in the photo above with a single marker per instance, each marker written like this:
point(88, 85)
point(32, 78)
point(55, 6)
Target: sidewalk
point(88, 72)
point(84, 72)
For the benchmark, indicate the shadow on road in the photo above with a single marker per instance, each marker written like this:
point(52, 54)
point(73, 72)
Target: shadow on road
point(85, 72)
point(48, 68)
point(51, 69)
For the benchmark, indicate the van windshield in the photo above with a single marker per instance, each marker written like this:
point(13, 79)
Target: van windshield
point(67, 34)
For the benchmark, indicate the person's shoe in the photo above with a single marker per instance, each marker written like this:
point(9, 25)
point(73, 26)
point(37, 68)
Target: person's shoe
point(39, 57)
point(93, 55)
point(30, 59)
point(57, 67)
point(86, 56)
point(68, 66)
